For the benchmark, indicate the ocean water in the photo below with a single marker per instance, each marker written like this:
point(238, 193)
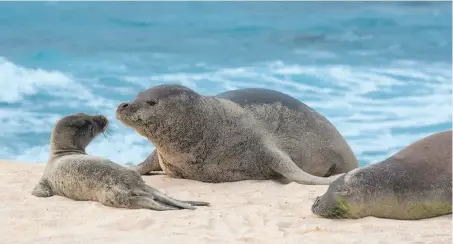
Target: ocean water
point(381, 72)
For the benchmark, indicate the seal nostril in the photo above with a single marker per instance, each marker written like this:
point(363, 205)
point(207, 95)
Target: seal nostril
point(316, 201)
point(123, 105)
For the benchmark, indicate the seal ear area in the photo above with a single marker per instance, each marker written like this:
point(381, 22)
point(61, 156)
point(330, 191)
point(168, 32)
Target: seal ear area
point(343, 190)
point(341, 187)
point(78, 122)
point(74, 120)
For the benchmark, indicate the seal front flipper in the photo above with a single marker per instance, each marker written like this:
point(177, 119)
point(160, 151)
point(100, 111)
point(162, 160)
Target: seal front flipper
point(283, 165)
point(151, 163)
point(42, 189)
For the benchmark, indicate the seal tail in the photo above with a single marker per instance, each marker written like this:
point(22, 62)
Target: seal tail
point(286, 167)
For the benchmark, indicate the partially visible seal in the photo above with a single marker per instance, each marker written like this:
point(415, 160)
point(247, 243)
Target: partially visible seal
point(70, 172)
point(248, 134)
point(414, 183)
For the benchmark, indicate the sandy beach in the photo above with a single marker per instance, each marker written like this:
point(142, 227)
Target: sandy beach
point(241, 212)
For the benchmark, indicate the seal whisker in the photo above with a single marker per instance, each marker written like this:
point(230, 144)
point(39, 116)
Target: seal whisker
point(107, 133)
point(106, 136)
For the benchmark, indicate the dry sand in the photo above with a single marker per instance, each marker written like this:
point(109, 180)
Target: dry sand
point(241, 212)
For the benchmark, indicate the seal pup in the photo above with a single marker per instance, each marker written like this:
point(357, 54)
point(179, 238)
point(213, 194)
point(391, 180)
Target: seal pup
point(248, 134)
point(414, 183)
point(71, 173)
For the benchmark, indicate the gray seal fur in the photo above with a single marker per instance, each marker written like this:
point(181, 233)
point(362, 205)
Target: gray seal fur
point(71, 173)
point(248, 134)
point(414, 183)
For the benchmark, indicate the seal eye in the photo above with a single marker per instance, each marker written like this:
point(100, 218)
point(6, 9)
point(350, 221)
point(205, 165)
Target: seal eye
point(91, 127)
point(151, 102)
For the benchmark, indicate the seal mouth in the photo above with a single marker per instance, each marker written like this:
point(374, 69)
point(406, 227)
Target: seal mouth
point(124, 113)
point(333, 212)
point(127, 114)
point(337, 211)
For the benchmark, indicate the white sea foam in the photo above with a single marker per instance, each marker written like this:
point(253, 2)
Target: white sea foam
point(17, 82)
point(340, 92)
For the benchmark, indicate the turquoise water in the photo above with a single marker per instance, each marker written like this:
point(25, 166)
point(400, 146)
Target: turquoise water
point(381, 72)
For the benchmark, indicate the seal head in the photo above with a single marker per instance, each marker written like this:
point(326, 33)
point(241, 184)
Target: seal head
point(340, 201)
point(76, 131)
point(157, 107)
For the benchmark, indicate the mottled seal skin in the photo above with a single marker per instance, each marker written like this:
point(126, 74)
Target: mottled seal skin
point(71, 173)
point(248, 134)
point(414, 183)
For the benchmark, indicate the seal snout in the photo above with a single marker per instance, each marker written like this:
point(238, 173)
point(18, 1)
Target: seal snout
point(102, 122)
point(126, 112)
point(316, 201)
point(315, 205)
point(125, 107)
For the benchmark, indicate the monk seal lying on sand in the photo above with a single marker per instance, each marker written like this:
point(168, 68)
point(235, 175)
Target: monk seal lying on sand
point(248, 134)
point(414, 183)
point(70, 172)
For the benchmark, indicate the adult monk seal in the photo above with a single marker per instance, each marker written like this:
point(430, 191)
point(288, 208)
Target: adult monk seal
point(248, 134)
point(70, 172)
point(414, 183)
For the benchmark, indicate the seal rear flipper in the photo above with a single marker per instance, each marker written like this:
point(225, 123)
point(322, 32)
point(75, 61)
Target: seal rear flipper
point(138, 202)
point(42, 189)
point(151, 163)
point(169, 200)
point(151, 198)
point(283, 165)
